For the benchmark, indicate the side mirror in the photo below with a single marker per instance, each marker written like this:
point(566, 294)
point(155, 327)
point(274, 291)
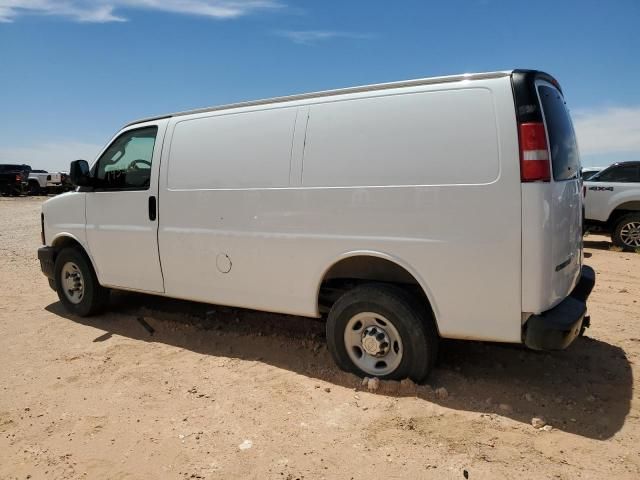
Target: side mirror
point(79, 173)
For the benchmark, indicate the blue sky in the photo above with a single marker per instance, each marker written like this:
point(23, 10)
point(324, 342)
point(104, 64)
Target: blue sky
point(73, 72)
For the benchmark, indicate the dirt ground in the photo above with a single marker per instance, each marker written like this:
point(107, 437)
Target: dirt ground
point(216, 392)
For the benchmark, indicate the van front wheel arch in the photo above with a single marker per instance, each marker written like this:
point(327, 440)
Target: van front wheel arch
point(381, 330)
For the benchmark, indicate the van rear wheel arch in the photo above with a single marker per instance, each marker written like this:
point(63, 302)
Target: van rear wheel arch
point(358, 268)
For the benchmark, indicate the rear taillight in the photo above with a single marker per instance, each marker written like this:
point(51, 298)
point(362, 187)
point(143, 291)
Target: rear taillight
point(42, 228)
point(18, 178)
point(534, 154)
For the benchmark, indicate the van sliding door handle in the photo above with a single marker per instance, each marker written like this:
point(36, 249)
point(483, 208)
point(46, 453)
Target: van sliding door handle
point(152, 208)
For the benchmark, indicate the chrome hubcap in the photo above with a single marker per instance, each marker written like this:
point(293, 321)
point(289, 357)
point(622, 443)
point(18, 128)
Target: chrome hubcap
point(72, 282)
point(373, 343)
point(630, 234)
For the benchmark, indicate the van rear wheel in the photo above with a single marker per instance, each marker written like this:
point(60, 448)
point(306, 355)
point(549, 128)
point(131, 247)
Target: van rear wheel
point(77, 285)
point(378, 330)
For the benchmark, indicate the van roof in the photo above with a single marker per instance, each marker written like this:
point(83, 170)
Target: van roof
point(340, 91)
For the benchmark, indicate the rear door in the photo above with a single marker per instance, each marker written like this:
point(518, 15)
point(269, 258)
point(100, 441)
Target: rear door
point(565, 208)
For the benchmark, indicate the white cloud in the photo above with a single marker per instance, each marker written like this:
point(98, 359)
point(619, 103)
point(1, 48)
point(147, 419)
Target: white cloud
point(608, 130)
point(50, 156)
point(308, 37)
point(102, 11)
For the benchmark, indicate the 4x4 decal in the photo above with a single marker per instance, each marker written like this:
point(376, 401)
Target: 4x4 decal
point(602, 189)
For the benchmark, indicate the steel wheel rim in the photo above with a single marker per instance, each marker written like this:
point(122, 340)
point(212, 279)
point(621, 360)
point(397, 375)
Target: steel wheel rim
point(72, 282)
point(630, 234)
point(365, 337)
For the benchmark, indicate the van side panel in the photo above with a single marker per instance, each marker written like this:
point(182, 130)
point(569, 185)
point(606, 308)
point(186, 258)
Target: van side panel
point(456, 231)
point(233, 150)
point(405, 139)
point(454, 225)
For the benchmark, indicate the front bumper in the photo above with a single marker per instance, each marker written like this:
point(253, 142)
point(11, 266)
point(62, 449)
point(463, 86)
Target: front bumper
point(47, 257)
point(555, 329)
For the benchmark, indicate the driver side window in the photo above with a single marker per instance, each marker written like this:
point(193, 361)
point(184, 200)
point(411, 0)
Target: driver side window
point(126, 164)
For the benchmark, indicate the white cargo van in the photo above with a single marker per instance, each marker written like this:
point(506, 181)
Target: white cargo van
point(442, 207)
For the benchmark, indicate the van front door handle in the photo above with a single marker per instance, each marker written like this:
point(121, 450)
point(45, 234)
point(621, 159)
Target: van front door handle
point(152, 208)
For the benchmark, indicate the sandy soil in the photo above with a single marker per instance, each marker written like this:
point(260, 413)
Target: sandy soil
point(103, 398)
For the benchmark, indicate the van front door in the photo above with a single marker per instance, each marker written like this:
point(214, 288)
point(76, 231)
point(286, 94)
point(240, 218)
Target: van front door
point(121, 211)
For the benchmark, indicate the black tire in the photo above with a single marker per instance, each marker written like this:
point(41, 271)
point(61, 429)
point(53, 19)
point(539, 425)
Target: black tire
point(617, 236)
point(34, 188)
point(94, 297)
point(412, 321)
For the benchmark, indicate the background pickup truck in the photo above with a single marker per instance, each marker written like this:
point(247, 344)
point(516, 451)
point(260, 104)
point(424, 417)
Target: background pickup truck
point(14, 179)
point(612, 203)
point(42, 182)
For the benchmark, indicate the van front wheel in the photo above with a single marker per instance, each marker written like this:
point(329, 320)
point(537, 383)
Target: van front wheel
point(77, 285)
point(382, 331)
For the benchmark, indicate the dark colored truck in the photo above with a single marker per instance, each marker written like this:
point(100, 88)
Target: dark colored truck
point(14, 179)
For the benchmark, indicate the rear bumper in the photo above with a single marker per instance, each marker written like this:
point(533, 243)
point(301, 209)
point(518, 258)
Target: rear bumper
point(555, 329)
point(47, 257)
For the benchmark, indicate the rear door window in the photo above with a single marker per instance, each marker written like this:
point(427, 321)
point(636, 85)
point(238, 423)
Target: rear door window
point(562, 139)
